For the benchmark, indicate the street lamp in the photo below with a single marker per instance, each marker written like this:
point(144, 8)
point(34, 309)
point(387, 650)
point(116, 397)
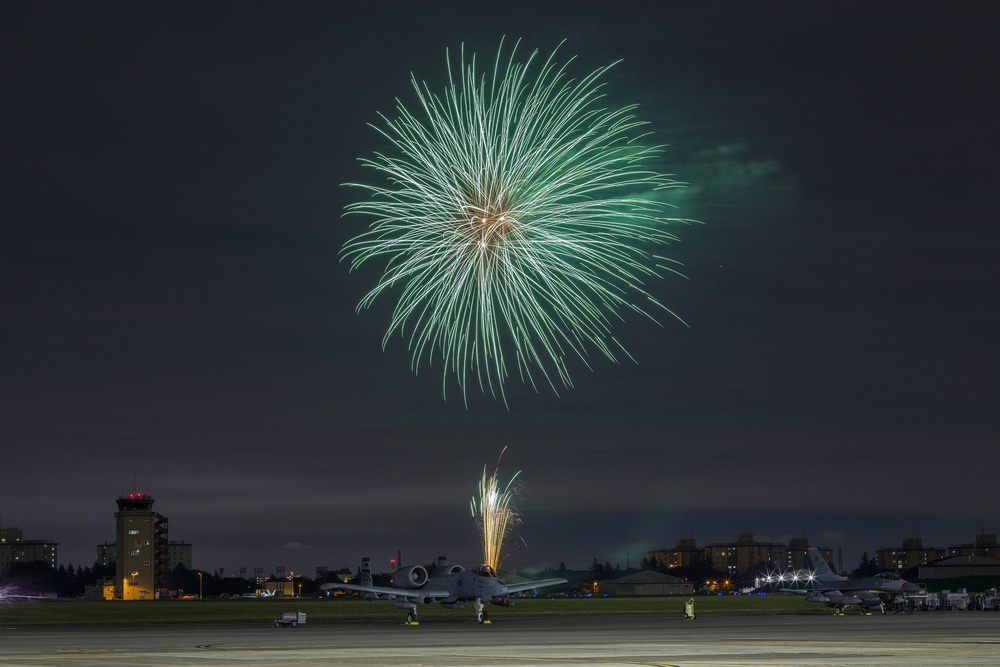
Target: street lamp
point(199, 585)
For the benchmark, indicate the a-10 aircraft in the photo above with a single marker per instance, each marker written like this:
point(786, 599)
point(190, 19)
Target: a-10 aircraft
point(448, 584)
point(838, 592)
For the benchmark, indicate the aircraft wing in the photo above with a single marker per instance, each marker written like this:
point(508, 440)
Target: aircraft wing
point(388, 590)
point(531, 585)
point(829, 588)
point(870, 586)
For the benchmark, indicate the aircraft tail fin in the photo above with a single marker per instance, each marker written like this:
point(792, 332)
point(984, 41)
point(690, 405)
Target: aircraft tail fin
point(821, 569)
point(364, 576)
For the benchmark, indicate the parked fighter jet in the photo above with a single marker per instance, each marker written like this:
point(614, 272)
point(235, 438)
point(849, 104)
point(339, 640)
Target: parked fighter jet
point(838, 592)
point(447, 584)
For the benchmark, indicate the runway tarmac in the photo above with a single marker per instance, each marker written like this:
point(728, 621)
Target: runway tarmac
point(923, 639)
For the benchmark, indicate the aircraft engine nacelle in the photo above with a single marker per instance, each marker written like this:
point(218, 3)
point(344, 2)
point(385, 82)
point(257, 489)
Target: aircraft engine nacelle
point(413, 576)
point(450, 569)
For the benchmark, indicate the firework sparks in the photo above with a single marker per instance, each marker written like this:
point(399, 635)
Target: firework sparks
point(9, 594)
point(494, 515)
point(515, 219)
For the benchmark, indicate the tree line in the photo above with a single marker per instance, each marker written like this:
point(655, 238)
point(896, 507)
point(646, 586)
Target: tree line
point(40, 578)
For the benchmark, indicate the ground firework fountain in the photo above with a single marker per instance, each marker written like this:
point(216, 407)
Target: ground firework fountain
point(494, 515)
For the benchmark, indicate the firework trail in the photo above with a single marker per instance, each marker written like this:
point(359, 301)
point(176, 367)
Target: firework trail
point(9, 594)
point(514, 216)
point(493, 514)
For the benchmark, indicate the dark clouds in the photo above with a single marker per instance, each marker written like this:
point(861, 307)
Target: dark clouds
point(174, 314)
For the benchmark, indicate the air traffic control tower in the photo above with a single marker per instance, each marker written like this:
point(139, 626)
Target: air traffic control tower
point(142, 548)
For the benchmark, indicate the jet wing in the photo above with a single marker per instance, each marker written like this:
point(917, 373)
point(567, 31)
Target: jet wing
point(531, 585)
point(813, 590)
point(387, 590)
point(827, 588)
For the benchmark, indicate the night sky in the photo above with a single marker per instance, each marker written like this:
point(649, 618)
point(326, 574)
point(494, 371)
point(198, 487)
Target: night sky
point(176, 319)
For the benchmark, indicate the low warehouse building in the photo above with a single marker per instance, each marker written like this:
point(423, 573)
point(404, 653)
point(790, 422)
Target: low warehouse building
point(960, 566)
point(647, 582)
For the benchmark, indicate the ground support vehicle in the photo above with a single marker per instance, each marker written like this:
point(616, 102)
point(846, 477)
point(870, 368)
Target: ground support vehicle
point(289, 618)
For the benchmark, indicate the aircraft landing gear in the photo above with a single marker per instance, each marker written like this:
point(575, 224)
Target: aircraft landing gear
point(411, 611)
point(480, 614)
point(838, 610)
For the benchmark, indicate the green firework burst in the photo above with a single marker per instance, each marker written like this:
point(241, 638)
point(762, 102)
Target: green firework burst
point(515, 216)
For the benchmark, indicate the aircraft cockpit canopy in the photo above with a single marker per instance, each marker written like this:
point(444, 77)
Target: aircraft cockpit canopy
point(486, 571)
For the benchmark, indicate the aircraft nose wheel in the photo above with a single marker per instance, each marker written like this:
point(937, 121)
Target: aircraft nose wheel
point(480, 613)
